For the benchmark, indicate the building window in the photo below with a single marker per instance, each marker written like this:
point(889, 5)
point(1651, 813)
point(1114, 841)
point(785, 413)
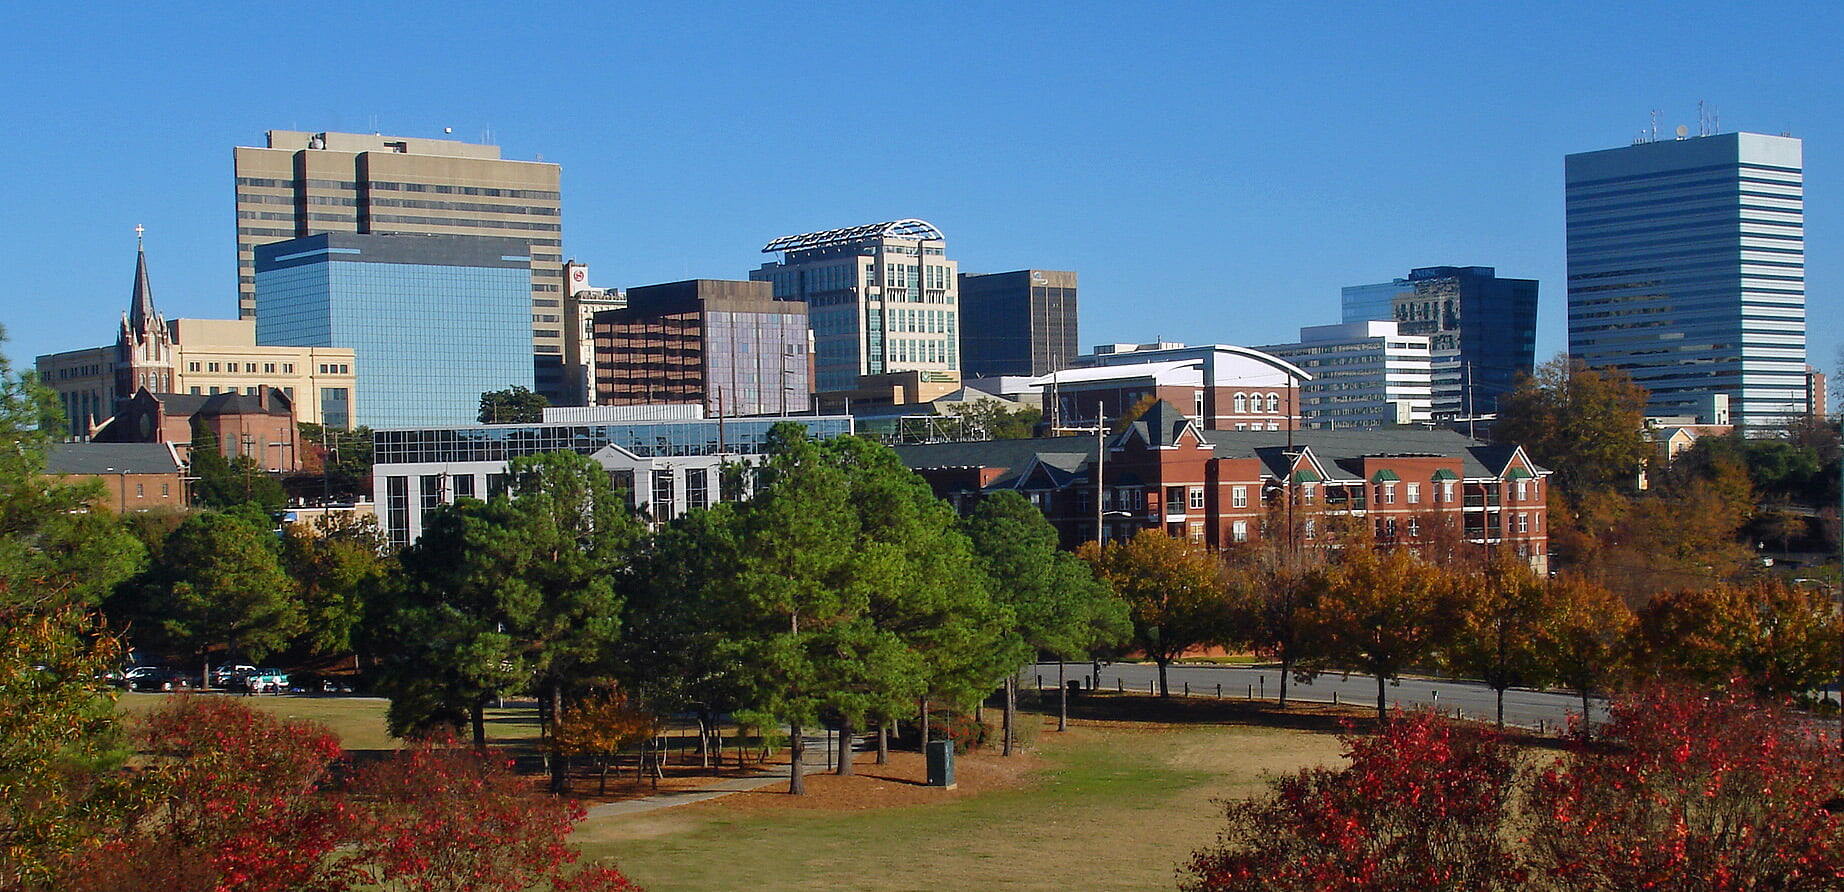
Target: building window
point(432, 492)
point(192, 366)
point(1310, 527)
point(288, 368)
point(166, 489)
point(1446, 490)
point(1518, 491)
point(464, 486)
point(1242, 426)
point(1414, 493)
point(1238, 497)
point(1307, 491)
point(662, 495)
point(140, 491)
point(1197, 403)
point(268, 368)
point(697, 488)
point(397, 509)
point(1197, 498)
point(1274, 402)
point(1242, 404)
point(211, 366)
point(249, 367)
point(1523, 523)
point(1239, 531)
point(1196, 530)
point(196, 390)
point(1274, 425)
point(1386, 493)
point(1414, 528)
point(498, 485)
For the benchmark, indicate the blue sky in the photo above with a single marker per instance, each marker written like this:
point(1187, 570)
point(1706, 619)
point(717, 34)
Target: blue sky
point(1214, 171)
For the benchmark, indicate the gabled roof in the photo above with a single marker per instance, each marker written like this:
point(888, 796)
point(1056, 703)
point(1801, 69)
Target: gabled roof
point(1340, 454)
point(825, 238)
point(1160, 426)
point(111, 458)
point(1014, 457)
point(189, 404)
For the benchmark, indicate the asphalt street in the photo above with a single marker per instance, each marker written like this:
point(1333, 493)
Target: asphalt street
point(1524, 708)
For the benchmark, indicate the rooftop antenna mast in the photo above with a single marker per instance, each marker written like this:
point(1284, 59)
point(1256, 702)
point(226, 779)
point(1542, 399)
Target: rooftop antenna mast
point(1654, 136)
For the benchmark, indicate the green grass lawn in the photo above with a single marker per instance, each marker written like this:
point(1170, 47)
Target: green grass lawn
point(1114, 807)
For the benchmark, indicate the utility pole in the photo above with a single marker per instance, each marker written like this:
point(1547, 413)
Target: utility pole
point(1101, 466)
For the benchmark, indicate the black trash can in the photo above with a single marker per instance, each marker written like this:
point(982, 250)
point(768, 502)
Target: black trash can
point(941, 763)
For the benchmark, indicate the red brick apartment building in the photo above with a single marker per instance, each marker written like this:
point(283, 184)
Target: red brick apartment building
point(1216, 486)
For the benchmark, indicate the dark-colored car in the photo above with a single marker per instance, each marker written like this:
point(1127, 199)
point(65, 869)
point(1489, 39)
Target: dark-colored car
point(162, 680)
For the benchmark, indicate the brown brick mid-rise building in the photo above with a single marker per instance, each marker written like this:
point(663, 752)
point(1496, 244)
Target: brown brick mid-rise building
point(728, 345)
point(1220, 487)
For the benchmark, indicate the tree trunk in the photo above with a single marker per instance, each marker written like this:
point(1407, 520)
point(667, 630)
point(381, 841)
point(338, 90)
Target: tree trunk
point(797, 752)
point(204, 679)
point(922, 741)
point(1501, 708)
point(1062, 706)
point(1382, 706)
point(883, 742)
point(845, 748)
point(1009, 730)
point(1165, 687)
point(560, 766)
point(1286, 670)
point(478, 716)
point(1584, 712)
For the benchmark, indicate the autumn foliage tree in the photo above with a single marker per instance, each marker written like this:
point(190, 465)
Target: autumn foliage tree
point(1174, 591)
point(1381, 612)
point(1505, 623)
point(599, 725)
point(1589, 637)
point(1781, 638)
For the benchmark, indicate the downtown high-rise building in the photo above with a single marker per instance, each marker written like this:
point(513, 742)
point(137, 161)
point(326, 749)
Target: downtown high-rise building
point(881, 298)
point(1687, 270)
point(1017, 323)
point(1481, 330)
point(302, 184)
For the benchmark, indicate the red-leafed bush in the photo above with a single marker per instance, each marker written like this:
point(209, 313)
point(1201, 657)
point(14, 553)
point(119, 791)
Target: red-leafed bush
point(1419, 808)
point(236, 800)
point(1687, 791)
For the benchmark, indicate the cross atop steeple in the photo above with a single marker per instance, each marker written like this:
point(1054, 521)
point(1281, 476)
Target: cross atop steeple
point(138, 229)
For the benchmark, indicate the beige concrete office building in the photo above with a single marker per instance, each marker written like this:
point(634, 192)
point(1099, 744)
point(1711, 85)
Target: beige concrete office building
point(304, 183)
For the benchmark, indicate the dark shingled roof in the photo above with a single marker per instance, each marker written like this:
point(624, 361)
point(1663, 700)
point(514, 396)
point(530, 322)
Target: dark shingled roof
point(189, 404)
point(1339, 452)
point(111, 458)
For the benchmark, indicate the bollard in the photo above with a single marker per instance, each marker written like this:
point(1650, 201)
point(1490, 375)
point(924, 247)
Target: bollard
point(1437, 696)
point(1119, 688)
point(1251, 692)
point(1040, 683)
point(1149, 687)
point(1261, 681)
point(1219, 690)
point(1459, 715)
point(1334, 698)
point(1187, 689)
point(1541, 730)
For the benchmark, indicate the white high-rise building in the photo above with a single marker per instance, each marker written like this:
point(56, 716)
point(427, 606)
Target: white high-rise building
point(1364, 375)
point(880, 298)
point(1687, 270)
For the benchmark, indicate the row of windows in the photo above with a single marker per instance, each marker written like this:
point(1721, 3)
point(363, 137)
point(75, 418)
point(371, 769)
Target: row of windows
point(466, 223)
point(248, 391)
point(463, 190)
point(288, 368)
point(1253, 402)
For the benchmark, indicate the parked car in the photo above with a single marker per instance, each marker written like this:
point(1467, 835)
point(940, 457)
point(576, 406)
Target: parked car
point(153, 678)
point(230, 676)
point(266, 681)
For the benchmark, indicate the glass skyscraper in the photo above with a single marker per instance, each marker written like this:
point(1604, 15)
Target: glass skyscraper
point(1018, 323)
point(434, 321)
point(1481, 330)
point(1687, 269)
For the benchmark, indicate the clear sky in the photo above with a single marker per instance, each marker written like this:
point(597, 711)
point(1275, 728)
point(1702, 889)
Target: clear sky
point(1214, 171)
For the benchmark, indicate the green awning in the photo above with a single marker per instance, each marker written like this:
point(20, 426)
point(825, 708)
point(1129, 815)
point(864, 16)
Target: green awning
point(1384, 475)
point(1518, 474)
point(1445, 474)
point(1305, 475)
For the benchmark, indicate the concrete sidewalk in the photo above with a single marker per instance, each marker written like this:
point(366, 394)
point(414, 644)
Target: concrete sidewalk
point(816, 757)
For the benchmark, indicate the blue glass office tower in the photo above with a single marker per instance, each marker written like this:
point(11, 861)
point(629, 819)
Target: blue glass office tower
point(1687, 269)
point(1481, 330)
point(434, 320)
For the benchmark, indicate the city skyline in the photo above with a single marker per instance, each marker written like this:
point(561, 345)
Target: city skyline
point(1280, 183)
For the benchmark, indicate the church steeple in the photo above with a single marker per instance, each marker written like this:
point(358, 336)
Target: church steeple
point(144, 349)
point(141, 312)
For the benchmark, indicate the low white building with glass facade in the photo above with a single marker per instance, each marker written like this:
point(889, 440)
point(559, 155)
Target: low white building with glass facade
point(668, 459)
point(1364, 375)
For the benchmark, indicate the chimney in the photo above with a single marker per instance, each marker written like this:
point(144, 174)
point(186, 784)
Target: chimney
point(262, 397)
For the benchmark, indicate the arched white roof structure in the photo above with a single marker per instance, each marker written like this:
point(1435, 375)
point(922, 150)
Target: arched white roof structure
point(910, 228)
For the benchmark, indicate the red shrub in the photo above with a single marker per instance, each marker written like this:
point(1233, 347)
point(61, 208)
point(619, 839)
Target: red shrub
point(1419, 808)
point(1687, 791)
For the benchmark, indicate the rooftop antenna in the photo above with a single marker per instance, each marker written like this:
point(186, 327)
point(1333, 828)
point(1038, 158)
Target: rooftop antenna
point(1703, 118)
point(1654, 137)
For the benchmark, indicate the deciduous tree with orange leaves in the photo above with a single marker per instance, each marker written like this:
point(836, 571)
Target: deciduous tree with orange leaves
point(1174, 590)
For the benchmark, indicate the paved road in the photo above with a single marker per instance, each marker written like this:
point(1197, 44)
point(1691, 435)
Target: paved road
point(1522, 707)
